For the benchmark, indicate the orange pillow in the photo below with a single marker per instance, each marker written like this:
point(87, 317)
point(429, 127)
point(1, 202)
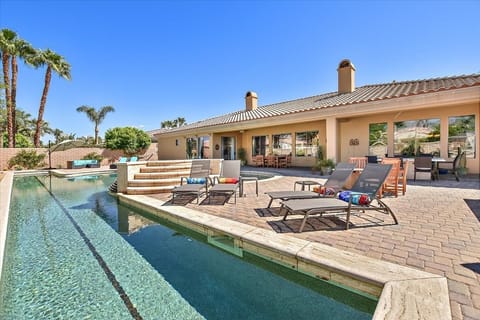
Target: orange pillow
point(228, 180)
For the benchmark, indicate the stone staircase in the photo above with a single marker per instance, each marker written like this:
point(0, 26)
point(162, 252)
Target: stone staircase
point(158, 177)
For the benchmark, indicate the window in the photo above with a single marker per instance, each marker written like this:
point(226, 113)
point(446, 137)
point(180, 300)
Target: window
point(260, 145)
point(377, 141)
point(306, 144)
point(204, 147)
point(416, 137)
point(461, 134)
point(282, 144)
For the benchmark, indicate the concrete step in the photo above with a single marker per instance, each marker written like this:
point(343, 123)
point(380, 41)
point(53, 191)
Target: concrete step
point(176, 168)
point(154, 182)
point(160, 175)
point(187, 163)
point(149, 190)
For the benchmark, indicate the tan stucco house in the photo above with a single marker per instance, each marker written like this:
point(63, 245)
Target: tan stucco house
point(398, 118)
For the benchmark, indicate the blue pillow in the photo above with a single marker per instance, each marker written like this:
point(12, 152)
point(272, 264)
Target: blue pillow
point(357, 198)
point(195, 180)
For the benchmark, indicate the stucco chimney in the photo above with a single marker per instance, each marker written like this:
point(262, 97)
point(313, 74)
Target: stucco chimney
point(251, 102)
point(346, 76)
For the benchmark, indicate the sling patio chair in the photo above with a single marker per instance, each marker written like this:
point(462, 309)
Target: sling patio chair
point(228, 181)
point(362, 197)
point(454, 165)
point(198, 181)
point(335, 183)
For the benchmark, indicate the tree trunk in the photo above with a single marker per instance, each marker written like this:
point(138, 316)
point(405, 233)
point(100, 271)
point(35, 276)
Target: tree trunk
point(41, 109)
point(96, 133)
point(8, 98)
point(13, 89)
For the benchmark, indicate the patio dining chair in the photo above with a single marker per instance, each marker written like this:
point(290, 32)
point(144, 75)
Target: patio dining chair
point(391, 183)
point(453, 166)
point(362, 197)
point(423, 164)
point(360, 162)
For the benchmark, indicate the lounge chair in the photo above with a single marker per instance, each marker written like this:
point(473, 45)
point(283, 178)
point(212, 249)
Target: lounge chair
point(335, 182)
point(198, 181)
point(360, 198)
point(228, 181)
point(133, 159)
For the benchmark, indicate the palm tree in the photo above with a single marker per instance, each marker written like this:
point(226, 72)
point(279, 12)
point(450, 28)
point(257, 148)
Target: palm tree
point(7, 38)
point(96, 116)
point(53, 62)
point(25, 51)
point(179, 122)
point(11, 47)
point(167, 124)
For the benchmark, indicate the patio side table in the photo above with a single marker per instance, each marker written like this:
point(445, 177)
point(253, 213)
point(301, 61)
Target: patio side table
point(243, 179)
point(304, 183)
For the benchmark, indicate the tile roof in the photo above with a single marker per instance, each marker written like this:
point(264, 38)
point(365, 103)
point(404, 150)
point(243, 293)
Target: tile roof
point(362, 94)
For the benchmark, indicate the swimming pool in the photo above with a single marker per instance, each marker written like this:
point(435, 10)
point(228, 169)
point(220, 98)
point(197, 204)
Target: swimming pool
point(76, 253)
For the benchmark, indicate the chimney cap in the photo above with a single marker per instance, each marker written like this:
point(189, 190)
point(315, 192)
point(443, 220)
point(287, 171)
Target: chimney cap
point(251, 94)
point(345, 63)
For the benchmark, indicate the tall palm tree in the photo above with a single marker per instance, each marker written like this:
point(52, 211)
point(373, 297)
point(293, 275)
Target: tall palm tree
point(25, 51)
point(12, 47)
point(54, 62)
point(95, 116)
point(7, 38)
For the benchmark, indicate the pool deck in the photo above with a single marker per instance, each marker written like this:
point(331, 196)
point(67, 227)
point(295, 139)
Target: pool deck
point(438, 231)
point(437, 238)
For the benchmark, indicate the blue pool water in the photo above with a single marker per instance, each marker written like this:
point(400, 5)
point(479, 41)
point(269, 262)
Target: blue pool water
point(76, 254)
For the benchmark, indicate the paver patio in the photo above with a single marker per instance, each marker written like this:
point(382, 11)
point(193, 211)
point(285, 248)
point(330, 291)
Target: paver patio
point(438, 230)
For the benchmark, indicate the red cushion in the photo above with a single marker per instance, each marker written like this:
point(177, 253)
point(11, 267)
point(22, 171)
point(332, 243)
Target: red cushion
point(228, 180)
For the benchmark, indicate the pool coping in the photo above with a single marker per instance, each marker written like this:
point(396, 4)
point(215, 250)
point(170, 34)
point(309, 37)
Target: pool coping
point(403, 292)
point(6, 184)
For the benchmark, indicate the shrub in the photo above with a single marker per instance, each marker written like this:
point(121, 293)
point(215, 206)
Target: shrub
point(26, 160)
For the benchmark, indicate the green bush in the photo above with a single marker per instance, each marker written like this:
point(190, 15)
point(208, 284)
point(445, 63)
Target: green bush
point(26, 160)
point(93, 156)
point(130, 140)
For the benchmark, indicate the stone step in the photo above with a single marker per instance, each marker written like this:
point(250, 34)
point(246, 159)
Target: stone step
point(149, 190)
point(187, 163)
point(176, 168)
point(154, 182)
point(161, 175)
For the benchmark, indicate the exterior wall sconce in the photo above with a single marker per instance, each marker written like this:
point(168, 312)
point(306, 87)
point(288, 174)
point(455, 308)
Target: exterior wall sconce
point(176, 142)
point(354, 142)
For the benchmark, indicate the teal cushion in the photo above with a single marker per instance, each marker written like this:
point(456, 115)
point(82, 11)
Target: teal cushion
point(196, 180)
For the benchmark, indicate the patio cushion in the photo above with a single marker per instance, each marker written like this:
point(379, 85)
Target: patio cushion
point(196, 180)
point(324, 190)
point(357, 198)
point(228, 180)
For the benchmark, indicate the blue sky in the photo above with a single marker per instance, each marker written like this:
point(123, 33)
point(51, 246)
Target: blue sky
point(159, 60)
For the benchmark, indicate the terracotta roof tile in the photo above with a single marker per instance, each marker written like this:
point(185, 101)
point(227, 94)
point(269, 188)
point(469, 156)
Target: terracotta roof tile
point(360, 95)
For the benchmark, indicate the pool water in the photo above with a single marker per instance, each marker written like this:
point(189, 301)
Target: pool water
point(75, 253)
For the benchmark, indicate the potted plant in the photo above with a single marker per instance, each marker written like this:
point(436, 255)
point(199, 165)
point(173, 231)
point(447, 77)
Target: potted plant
point(325, 166)
point(242, 156)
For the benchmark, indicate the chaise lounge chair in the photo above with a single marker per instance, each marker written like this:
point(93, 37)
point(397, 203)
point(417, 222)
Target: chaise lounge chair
point(227, 182)
point(197, 183)
point(335, 183)
point(360, 198)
